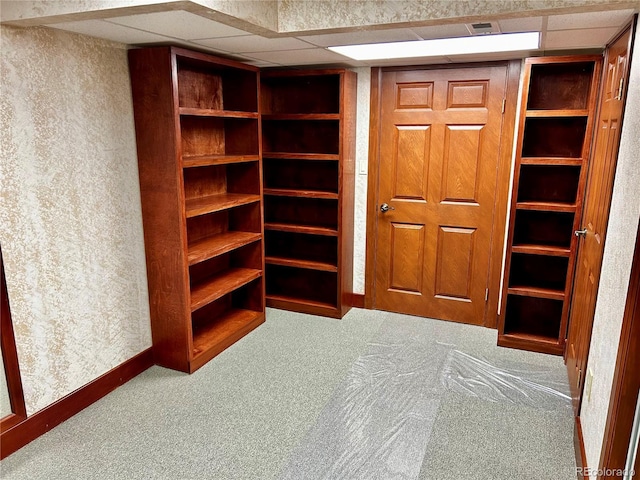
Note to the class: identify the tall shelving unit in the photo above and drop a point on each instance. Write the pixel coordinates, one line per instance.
(554, 141)
(199, 152)
(308, 128)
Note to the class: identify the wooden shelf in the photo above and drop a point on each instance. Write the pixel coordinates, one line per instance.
(301, 116)
(287, 227)
(300, 301)
(190, 161)
(537, 292)
(212, 106)
(542, 250)
(211, 339)
(531, 342)
(557, 113)
(216, 203)
(300, 156)
(206, 112)
(552, 155)
(220, 285)
(308, 264)
(290, 192)
(569, 162)
(219, 245)
(546, 206)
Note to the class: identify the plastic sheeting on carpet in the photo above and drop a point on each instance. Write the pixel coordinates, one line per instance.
(517, 384)
(378, 422)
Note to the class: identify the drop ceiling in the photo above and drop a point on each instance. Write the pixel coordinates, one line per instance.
(589, 30)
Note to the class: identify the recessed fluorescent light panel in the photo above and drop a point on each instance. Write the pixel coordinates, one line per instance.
(506, 42)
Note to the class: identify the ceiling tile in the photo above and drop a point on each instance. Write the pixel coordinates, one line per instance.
(588, 38)
(611, 18)
(299, 57)
(178, 24)
(111, 31)
(442, 31)
(360, 37)
(515, 25)
(254, 43)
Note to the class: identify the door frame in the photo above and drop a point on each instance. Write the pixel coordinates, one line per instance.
(503, 179)
(626, 380)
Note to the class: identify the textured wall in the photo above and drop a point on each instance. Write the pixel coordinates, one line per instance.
(616, 269)
(362, 156)
(308, 15)
(70, 217)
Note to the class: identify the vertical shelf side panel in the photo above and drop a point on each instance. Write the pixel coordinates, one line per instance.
(153, 85)
(347, 189)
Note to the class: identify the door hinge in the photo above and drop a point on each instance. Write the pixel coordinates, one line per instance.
(579, 378)
(504, 103)
(486, 295)
(620, 87)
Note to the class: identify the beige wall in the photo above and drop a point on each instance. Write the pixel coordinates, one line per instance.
(616, 269)
(70, 218)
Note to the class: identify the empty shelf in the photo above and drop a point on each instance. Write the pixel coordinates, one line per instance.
(291, 192)
(218, 286)
(288, 227)
(542, 250)
(215, 203)
(308, 264)
(300, 156)
(219, 244)
(206, 112)
(537, 292)
(209, 160)
(546, 206)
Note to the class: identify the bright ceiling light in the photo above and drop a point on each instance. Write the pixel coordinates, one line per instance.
(505, 42)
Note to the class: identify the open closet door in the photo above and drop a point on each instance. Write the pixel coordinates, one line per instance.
(596, 211)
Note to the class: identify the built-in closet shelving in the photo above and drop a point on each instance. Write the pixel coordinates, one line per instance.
(198, 136)
(308, 127)
(554, 140)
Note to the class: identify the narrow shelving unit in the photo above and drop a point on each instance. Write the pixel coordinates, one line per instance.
(308, 122)
(554, 143)
(198, 129)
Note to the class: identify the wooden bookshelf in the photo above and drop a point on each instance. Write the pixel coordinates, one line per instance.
(554, 142)
(198, 128)
(308, 127)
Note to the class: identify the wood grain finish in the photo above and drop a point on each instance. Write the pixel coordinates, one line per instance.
(198, 135)
(10, 360)
(308, 138)
(210, 160)
(595, 217)
(285, 227)
(49, 417)
(216, 203)
(552, 157)
(219, 244)
(438, 133)
(227, 329)
(227, 282)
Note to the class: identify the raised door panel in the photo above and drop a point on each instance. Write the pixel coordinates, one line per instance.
(454, 253)
(410, 165)
(462, 155)
(407, 257)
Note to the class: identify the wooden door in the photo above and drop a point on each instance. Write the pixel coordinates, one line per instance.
(596, 213)
(439, 149)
